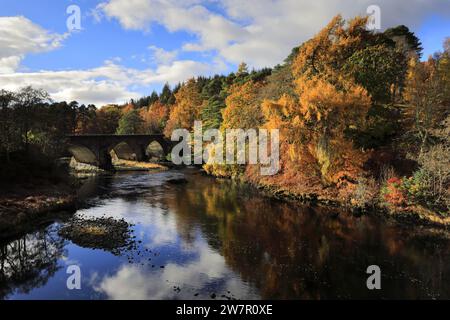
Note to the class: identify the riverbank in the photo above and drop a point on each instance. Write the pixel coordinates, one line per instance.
(23, 204)
(128, 165)
(26, 204)
(230, 225)
(119, 165)
(412, 214)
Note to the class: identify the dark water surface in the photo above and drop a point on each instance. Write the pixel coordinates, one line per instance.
(212, 238)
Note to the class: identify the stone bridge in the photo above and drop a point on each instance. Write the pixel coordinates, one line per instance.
(97, 149)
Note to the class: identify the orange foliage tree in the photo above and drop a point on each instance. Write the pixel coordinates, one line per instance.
(242, 109)
(155, 117)
(328, 104)
(187, 108)
(330, 49)
(128, 108)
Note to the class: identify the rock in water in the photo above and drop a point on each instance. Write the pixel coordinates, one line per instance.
(102, 233)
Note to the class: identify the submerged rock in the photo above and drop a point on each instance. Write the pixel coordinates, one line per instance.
(102, 233)
(177, 181)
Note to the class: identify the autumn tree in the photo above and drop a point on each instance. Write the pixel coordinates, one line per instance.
(327, 112)
(328, 52)
(187, 108)
(242, 109)
(128, 107)
(242, 70)
(349, 50)
(329, 102)
(444, 71)
(423, 93)
(154, 117)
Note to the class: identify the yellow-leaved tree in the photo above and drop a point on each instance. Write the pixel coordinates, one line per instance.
(329, 103)
(187, 108)
(155, 117)
(242, 110)
(424, 97)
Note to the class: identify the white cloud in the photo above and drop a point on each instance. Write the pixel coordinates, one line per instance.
(9, 64)
(182, 70)
(260, 32)
(109, 83)
(19, 36)
(161, 56)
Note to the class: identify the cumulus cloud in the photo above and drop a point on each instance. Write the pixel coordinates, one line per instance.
(19, 36)
(260, 32)
(109, 83)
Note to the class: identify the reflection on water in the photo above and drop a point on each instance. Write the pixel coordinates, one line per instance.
(28, 262)
(216, 239)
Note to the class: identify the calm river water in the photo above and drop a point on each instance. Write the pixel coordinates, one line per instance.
(217, 239)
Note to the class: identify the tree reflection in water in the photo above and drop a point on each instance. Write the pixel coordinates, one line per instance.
(298, 252)
(29, 261)
(219, 236)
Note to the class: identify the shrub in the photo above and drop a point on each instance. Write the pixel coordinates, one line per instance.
(435, 169)
(365, 194)
(392, 193)
(386, 173)
(430, 184)
(416, 187)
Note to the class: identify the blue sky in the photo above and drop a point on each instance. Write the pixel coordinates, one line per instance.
(127, 48)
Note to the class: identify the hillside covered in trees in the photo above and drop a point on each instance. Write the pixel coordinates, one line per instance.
(363, 119)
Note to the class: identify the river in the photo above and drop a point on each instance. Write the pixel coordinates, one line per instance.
(217, 239)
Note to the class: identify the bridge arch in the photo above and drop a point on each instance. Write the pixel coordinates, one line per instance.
(96, 149)
(155, 151)
(122, 151)
(83, 154)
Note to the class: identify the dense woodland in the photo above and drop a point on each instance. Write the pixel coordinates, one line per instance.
(364, 119)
